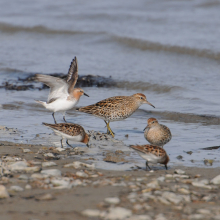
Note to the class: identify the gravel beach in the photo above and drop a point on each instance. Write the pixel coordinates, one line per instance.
(43, 182)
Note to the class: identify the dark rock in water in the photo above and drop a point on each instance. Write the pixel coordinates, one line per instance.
(189, 152)
(179, 157)
(83, 81)
(210, 148)
(9, 86)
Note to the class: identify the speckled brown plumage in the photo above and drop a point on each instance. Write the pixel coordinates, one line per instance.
(70, 131)
(152, 153)
(116, 108)
(157, 134)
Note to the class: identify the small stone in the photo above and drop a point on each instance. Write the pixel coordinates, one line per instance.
(18, 166)
(196, 216)
(61, 183)
(91, 213)
(45, 197)
(51, 172)
(202, 185)
(28, 186)
(60, 149)
(172, 197)
(169, 176)
(49, 164)
(118, 213)
(23, 177)
(161, 179)
(50, 155)
(216, 180)
(26, 150)
(82, 174)
(204, 211)
(139, 217)
(208, 198)
(79, 165)
(179, 171)
(205, 181)
(154, 184)
(137, 207)
(179, 157)
(112, 200)
(163, 200)
(39, 176)
(181, 176)
(160, 217)
(184, 191)
(3, 192)
(16, 189)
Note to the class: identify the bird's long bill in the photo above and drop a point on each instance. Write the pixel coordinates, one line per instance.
(149, 104)
(86, 94)
(145, 128)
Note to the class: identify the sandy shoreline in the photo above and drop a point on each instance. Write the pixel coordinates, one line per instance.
(34, 195)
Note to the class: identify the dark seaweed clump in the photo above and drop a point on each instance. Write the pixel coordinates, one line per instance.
(83, 81)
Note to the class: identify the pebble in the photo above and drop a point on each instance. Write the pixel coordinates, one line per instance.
(91, 213)
(38, 176)
(82, 174)
(112, 200)
(51, 172)
(50, 155)
(78, 165)
(3, 192)
(26, 150)
(154, 184)
(18, 166)
(172, 197)
(197, 216)
(202, 185)
(45, 197)
(118, 213)
(204, 211)
(60, 149)
(49, 164)
(28, 186)
(161, 179)
(160, 217)
(184, 191)
(139, 217)
(163, 200)
(16, 189)
(23, 177)
(61, 183)
(216, 180)
(179, 171)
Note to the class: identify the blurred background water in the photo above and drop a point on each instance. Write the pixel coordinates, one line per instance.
(169, 50)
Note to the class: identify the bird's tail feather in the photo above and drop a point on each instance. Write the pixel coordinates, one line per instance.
(41, 102)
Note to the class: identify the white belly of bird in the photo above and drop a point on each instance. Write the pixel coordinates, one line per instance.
(151, 157)
(77, 138)
(61, 105)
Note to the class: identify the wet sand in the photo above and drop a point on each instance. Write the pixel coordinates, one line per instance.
(138, 191)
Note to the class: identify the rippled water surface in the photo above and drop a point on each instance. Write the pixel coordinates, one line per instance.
(168, 50)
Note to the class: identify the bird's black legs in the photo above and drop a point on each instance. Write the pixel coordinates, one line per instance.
(147, 165)
(68, 143)
(61, 141)
(54, 118)
(64, 118)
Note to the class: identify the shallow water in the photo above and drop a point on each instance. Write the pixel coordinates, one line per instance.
(168, 50)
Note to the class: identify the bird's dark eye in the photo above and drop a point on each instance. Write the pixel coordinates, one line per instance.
(141, 97)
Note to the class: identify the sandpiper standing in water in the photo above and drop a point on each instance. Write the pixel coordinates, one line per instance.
(69, 131)
(157, 134)
(63, 96)
(116, 108)
(152, 154)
